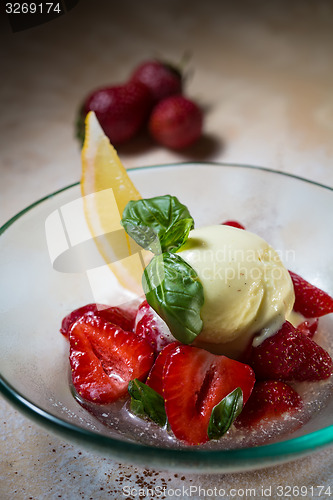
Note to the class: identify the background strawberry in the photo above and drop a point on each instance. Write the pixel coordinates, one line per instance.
(310, 300)
(269, 400)
(104, 358)
(121, 110)
(176, 122)
(290, 355)
(194, 381)
(162, 79)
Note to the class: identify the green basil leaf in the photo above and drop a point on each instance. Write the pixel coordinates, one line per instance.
(137, 408)
(173, 289)
(224, 413)
(158, 224)
(147, 402)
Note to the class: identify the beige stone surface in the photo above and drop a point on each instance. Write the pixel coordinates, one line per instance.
(264, 72)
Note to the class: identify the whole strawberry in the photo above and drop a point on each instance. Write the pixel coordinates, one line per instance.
(121, 110)
(290, 355)
(176, 122)
(162, 79)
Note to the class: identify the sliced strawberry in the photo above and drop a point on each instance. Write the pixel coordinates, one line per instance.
(104, 358)
(290, 355)
(310, 300)
(194, 381)
(151, 327)
(309, 327)
(155, 377)
(233, 223)
(120, 317)
(269, 400)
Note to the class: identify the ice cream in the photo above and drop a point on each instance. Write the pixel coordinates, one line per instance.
(247, 289)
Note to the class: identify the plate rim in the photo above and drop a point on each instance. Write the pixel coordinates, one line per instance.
(297, 446)
(168, 165)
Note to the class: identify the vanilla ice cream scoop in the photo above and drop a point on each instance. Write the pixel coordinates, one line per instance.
(247, 289)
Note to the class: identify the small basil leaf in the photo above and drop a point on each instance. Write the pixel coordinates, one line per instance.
(173, 289)
(137, 408)
(224, 413)
(147, 402)
(158, 224)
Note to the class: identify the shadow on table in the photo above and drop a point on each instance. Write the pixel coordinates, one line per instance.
(206, 148)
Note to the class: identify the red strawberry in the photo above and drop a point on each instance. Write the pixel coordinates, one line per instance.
(269, 400)
(310, 300)
(194, 381)
(176, 122)
(162, 79)
(308, 327)
(104, 358)
(233, 223)
(120, 317)
(121, 110)
(155, 377)
(151, 327)
(290, 355)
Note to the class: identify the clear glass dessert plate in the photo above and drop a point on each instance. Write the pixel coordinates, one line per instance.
(292, 214)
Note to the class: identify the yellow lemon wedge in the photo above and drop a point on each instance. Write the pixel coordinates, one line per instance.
(106, 189)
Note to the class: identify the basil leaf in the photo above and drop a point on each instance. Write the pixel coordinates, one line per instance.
(224, 413)
(173, 289)
(147, 402)
(158, 224)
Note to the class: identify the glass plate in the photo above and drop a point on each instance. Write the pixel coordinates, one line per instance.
(292, 213)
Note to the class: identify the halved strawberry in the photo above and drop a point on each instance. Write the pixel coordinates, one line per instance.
(194, 381)
(309, 327)
(151, 327)
(310, 300)
(104, 358)
(269, 400)
(233, 223)
(290, 355)
(120, 317)
(155, 377)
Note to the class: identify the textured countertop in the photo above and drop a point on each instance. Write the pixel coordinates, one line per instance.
(264, 72)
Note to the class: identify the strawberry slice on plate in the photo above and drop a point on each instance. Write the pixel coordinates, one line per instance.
(310, 300)
(194, 382)
(151, 327)
(124, 318)
(104, 358)
(269, 400)
(233, 223)
(290, 355)
(155, 377)
(308, 327)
